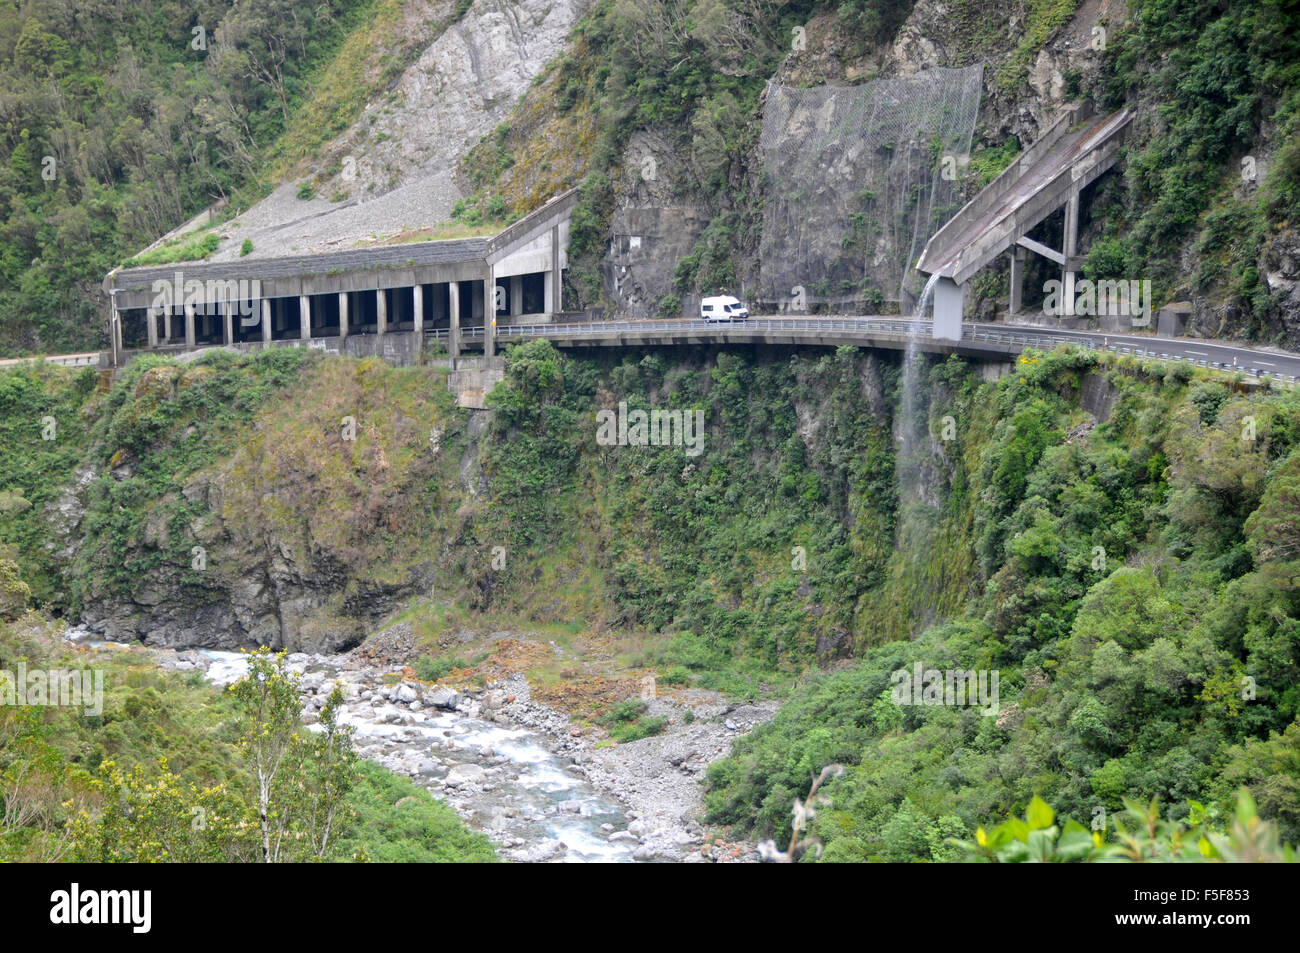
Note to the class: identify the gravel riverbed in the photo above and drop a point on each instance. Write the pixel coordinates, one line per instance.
(520, 771)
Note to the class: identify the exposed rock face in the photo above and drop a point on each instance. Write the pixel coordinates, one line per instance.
(652, 227)
(251, 589)
(291, 541)
(1280, 269)
(64, 514)
(395, 164)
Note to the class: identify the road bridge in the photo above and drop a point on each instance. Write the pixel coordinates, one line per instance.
(988, 342)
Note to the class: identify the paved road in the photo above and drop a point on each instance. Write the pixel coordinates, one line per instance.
(1253, 361)
(869, 330)
(894, 332)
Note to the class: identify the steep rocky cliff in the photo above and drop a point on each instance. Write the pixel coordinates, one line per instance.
(295, 501)
(679, 196)
(392, 171)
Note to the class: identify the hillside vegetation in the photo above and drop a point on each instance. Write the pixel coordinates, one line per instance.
(123, 121)
(1117, 540)
(165, 772)
(1136, 592)
(124, 124)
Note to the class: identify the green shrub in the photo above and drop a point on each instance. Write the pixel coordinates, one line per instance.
(431, 669)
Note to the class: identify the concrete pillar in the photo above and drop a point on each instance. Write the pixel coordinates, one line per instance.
(343, 314)
(453, 318)
(266, 320)
(114, 331)
(381, 309)
(516, 295)
(304, 317)
(554, 278)
(151, 326)
(1070, 248)
(417, 299)
(1017, 280)
(189, 326)
(949, 298)
(228, 323)
(167, 325)
(489, 313)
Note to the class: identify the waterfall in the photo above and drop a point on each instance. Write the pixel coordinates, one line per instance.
(907, 470)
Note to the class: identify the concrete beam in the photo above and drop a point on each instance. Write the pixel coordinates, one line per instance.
(1017, 280)
(516, 295)
(554, 283)
(1050, 254)
(1070, 242)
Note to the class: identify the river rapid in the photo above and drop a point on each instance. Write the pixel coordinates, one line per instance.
(513, 769)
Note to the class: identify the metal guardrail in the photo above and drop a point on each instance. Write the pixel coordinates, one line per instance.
(676, 326)
(91, 359)
(899, 329)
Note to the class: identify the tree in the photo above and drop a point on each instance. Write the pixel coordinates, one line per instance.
(271, 740)
(1273, 530)
(33, 790)
(301, 779)
(331, 774)
(162, 820)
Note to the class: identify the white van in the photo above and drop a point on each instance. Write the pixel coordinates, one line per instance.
(723, 308)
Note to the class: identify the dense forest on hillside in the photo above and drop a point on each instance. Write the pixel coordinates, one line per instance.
(1116, 539)
(121, 120)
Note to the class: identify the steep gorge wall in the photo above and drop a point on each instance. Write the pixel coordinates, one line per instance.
(291, 534)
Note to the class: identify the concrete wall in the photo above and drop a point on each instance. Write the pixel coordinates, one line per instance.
(949, 300)
(399, 348)
(473, 379)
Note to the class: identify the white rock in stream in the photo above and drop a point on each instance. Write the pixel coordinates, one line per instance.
(466, 774)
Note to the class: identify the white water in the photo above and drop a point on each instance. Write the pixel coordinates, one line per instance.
(522, 800)
(519, 807)
(909, 424)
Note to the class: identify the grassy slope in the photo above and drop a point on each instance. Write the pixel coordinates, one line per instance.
(149, 715)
